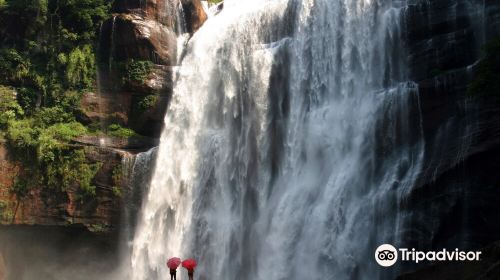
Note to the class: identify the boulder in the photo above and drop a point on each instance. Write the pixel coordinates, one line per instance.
(133, 36)
(194, 14)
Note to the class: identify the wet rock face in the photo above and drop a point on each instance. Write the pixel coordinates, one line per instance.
(133, 36)
(455, 201)
(165, 11)
(162, 11)
(442, 35)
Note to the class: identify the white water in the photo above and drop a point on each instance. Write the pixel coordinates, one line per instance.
(291, 137)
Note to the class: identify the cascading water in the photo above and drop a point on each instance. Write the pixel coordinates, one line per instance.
(290, 140)
(138, 176)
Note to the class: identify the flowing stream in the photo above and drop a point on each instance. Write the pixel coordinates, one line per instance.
(292, 136)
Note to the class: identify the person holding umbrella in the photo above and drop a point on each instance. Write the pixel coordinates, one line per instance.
(189, 264)
(173, 264)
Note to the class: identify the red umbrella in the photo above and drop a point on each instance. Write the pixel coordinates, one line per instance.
(189, 264)
(173, 263)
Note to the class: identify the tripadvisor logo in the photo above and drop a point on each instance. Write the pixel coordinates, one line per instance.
(387, 255)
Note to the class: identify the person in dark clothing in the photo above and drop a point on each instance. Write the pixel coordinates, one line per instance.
(173, 274)
(190, 273)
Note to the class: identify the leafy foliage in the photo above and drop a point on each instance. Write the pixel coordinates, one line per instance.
(117, 180)
(81, 67)
(14, 67)
(43, 146)
(137, 70)
(117, 130)
(146, 103)
(70, 167)
(48, 46)
(9, 108)
(47, 59)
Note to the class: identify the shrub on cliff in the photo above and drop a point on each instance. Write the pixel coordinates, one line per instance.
(9, 108)
(117, 130)
(43, 145)
(137, 70)
(81, 68)
(15, 68)
(42, 142)
(146, 103)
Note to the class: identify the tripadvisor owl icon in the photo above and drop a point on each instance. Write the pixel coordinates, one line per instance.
(386, 255)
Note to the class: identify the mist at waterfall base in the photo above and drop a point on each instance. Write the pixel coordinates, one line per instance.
(291, 138)
(52, 253)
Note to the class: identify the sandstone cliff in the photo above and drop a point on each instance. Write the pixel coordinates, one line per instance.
(48, 207)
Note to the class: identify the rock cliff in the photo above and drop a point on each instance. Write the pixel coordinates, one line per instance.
(143, 31)
(48, 207)
(456, 201)
(137, 53)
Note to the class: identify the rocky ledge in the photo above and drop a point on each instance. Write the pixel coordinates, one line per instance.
(49, 207)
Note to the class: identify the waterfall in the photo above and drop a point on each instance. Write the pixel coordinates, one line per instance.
(292, 136)
(180, 20)
(136, 187)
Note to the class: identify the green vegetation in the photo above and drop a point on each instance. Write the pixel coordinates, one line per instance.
(80, 67)
(9, 107)
(3, 208)
(215, 1)
(117, 130)
(487, 80)
(42, 144)
(117, 180)
(6, 214)
(47, 60)
(48, 46)
(97, 228)
(147, 102)
(137, 70)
